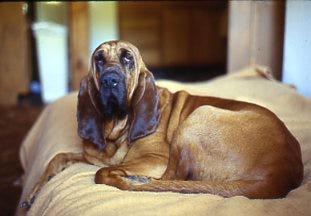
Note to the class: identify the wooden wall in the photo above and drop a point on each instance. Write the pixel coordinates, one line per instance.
(78, 42)
(15, 59)
(256, 32)
(176, 33)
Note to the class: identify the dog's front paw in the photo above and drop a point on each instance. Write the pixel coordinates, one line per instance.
(113, 176)
(27, 204)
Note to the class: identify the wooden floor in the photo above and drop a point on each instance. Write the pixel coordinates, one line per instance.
(15, 122)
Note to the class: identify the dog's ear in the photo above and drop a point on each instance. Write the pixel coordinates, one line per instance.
(90, 122)
(145, 107)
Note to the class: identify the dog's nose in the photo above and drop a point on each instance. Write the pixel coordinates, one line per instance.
(110, 80)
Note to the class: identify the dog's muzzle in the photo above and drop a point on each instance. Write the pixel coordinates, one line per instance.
(113, 94)
(110, 80)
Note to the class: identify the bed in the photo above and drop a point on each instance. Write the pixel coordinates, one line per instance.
(73, 191)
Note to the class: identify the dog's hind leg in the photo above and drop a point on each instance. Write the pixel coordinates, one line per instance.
(253, 189)
(222, 153)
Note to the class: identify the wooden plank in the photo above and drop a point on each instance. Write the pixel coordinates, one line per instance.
(208, 45)
(177, 33)
(15, 62)
(256, 31)
(79, 53)
(176, 37)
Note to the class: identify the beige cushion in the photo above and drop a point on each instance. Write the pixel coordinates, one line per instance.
(73, 192)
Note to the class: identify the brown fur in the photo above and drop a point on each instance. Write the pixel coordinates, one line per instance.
(180, 142)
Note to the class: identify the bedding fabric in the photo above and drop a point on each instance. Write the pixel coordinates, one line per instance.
(73, 191)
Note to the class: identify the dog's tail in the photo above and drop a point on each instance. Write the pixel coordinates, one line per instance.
(249, 188)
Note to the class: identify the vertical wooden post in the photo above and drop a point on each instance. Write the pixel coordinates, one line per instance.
(15, 60)
(256, 32)
(78, 42)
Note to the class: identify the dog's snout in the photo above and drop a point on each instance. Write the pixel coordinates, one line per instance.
(110, 80)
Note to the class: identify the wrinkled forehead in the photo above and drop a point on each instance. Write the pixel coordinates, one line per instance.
(111, 49)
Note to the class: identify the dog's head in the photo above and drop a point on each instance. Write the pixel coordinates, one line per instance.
(118, 85)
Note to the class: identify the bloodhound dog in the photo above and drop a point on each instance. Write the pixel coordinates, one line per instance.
(146, 138)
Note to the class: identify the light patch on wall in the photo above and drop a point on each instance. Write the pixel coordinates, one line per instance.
(103, 23)
(297, 46)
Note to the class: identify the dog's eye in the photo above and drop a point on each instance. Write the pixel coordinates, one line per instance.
(99, 58)
(127, 59)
